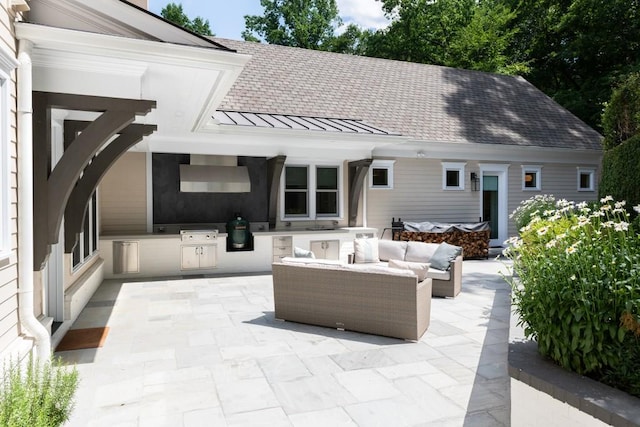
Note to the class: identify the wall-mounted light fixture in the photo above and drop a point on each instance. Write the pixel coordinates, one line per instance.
(475, 182)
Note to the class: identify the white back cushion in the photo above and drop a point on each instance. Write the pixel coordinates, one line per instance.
(420, 251)
(391, 249)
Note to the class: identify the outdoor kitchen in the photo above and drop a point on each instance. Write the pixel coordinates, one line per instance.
(205, 215)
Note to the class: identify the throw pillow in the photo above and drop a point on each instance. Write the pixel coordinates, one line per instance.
(443, 256)
(420, 269)
(302, 253)
(366, 250)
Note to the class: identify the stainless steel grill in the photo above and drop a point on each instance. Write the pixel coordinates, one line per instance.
(198, 236)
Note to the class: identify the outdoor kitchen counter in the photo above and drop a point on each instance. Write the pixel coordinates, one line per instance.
(278, 232)
(161, 254)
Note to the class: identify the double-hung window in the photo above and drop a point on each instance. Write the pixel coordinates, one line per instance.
(311, 192)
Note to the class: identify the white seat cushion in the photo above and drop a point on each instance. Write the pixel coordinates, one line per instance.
(419, 268)
(438, 274)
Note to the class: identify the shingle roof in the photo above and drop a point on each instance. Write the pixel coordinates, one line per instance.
(425, 102)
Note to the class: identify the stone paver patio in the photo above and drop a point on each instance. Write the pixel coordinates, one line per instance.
(208, 352)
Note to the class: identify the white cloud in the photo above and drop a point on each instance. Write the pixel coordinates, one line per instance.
(364, 13)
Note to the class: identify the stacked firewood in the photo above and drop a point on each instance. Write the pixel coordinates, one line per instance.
(475, 244)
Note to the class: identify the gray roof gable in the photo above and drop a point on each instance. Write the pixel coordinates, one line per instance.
(425, 102)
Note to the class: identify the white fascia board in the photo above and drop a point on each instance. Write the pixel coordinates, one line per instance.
(303, 144)
(489, 152)
(101, 45)
(251, 132)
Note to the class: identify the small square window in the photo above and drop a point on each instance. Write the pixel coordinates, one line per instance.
(453, 176)
(586, 179)
(381, 174)
(531, 178)
(380, 177)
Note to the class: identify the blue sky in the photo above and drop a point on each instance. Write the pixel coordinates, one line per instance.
(226, 18)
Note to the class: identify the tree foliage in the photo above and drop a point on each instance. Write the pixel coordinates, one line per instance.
(457, 33)
(173, 12)
(308, 24)
(577, 49)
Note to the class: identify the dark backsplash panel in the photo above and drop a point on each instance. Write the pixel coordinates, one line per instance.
(170, 206)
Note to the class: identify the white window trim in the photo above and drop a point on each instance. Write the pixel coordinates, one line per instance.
(311, 192)
(92, 253)
(382, 164)
(537, 169)
(592, 178)
(453, 166)
(7, 64)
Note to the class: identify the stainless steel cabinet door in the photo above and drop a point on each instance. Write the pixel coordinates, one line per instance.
(208, 256)
(190, 257)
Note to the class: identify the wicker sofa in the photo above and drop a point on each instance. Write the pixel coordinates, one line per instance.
(374, 300)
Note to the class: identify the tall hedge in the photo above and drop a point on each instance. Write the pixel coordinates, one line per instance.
(621, 172)
(621, 116)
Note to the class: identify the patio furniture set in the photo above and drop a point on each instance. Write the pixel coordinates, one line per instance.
(386, 291)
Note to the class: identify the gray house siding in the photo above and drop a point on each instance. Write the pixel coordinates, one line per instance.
(418, 194)
(558, 180)
(9, 325)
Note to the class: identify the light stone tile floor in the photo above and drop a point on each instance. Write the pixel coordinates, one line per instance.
(208, 352)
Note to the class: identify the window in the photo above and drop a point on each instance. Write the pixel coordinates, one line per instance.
(88, 241)
(453, 176)
(531, 178)
(586, 179)
(381, 174)
(7, 64)
(326, 191)
(311, 192)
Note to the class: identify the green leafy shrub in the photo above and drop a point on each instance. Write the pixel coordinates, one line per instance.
(533, 207)
(37, 394)
(621, 172)
(577, 285)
